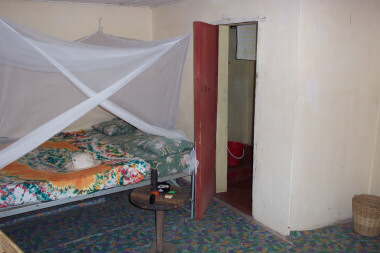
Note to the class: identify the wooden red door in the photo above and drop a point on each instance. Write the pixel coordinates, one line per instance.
(205, 109)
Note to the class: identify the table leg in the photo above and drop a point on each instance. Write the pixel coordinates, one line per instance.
(160, 246)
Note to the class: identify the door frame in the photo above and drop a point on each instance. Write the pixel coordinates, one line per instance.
(223, 106)
(222, 122)
(260, 21)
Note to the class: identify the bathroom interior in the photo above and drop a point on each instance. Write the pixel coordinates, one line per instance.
(242, 46)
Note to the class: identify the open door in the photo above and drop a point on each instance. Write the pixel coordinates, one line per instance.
(205, 110)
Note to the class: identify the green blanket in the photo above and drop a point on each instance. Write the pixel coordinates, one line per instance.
(166, 155)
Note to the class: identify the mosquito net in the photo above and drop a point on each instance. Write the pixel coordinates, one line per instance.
(47, 83)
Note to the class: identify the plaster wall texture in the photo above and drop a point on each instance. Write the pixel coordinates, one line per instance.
(375, 180)
(221, 159)
(336, 121)
(74, 21)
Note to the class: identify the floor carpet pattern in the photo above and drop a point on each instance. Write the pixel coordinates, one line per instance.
(115, 225)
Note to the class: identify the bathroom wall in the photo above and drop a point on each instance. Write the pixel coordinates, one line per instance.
(240, 95)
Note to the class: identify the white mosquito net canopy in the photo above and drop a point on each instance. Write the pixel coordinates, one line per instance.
(47, 83)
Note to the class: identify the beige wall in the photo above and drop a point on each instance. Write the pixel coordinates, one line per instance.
(277, 64)
(74, 21)
(240, 95)
(222, 110)
(337, 110)
(375, 180)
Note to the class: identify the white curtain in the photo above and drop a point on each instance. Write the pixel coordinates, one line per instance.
(46, 84)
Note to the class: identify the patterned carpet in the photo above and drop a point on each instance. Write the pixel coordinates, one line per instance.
(114, 225)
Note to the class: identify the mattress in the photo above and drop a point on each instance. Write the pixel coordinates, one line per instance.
(126, 158)
(41, 175)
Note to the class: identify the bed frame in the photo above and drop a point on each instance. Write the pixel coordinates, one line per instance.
(4, 212)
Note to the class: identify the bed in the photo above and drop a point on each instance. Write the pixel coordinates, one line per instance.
(42, 178)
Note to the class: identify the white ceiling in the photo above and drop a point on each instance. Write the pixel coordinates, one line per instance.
(136, 3)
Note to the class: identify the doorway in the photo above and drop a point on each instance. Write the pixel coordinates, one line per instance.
(236, 85)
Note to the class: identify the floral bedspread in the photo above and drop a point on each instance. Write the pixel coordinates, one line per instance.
(41, 174)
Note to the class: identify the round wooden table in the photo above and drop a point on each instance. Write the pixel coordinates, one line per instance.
(140, 197)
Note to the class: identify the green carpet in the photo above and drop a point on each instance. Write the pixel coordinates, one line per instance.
(115, 225)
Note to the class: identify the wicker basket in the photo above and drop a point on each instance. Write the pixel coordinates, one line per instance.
(366, 214)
